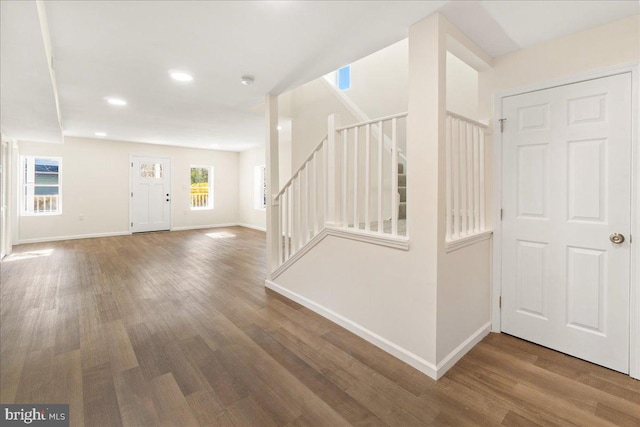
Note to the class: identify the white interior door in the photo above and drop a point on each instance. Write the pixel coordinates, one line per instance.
(566, 190)
(150, 194)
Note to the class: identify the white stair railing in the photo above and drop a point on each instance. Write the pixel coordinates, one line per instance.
(301, 213)
(369, 197)
(343, 185)
(465, 182)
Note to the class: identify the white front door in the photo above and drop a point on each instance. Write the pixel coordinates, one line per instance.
(150, 194)
(566, 191)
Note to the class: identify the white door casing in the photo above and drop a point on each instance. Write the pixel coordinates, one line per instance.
(150, 194)
(566, 186)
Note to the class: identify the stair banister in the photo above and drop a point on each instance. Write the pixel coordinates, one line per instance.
(288, 183)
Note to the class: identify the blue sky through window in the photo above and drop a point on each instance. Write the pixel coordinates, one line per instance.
(344, 78)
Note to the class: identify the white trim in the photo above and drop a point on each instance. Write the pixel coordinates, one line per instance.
(253, 227)
(74, 237)
(395, 242)
(204, 226)
(295, 257)
(395, 350)
(464, 347)
(399, 242)
(128, 233)
(634, 300)
(454, 245)
(634, 303)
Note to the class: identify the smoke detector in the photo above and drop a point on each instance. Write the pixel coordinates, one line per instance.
(247, 80)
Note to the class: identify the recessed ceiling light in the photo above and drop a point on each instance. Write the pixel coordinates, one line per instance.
(180, 76)
(279, 127)
(116, 101)
(247, 80)
(100, 134)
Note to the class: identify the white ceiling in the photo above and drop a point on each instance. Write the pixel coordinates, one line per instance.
(126, 48)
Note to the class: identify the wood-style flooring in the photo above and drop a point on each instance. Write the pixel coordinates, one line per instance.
(176, 329)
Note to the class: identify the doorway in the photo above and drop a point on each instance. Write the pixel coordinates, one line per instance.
(566, 218)
(150, 194)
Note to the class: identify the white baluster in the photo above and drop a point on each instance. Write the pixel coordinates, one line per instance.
(394, 177)
(482, 183)
(380, 176)
(356, 222)
(345, 159)
(367, 177)
(448, 177)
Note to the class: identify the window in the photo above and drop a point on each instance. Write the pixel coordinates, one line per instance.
(260, 191)
(344, 78)
(41, 185)
(340, 78)
(151, 170)
(201, 187)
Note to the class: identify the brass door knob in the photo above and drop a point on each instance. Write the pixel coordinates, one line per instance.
(616, 238)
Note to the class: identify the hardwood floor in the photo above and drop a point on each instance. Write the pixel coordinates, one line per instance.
(176, 329)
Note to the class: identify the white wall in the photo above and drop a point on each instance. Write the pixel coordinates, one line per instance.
(462, 87)
(248, 215)
(308, 107)
(611, 44)
(380, 81)
(95, 184)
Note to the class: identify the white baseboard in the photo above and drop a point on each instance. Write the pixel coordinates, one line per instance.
(199, 227)
(125, 233)
(253, 227)
(395, 350)
(75, 237)
(453, 357)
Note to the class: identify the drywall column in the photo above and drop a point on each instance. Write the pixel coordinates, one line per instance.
(273, 182)
(333, 170)
(425, 133)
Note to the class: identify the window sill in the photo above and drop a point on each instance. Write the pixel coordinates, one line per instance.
(202, 209)
(28, 214)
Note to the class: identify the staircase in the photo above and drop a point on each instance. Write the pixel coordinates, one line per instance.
(402, 190)
(350, 185)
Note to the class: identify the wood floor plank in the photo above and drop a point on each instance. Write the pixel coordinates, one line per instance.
(99, 396)
(178, 329)
(134, 398)
(171, 407)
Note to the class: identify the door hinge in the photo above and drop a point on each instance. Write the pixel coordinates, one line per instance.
(502, 124)
(132, 194)
(132, 224)
(501, 214)
(499, 302)
(131, 164)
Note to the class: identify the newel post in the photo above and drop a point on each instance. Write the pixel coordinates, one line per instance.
(333, 167)
(273, 180)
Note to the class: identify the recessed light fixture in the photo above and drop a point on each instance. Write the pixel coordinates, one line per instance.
(279, 127)
(180, 76)
(100, 134)
(247, 80)
(116, 101)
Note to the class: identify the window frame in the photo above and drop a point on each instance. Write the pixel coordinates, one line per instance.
(260, 188)
(23, 186)
(210, 203)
